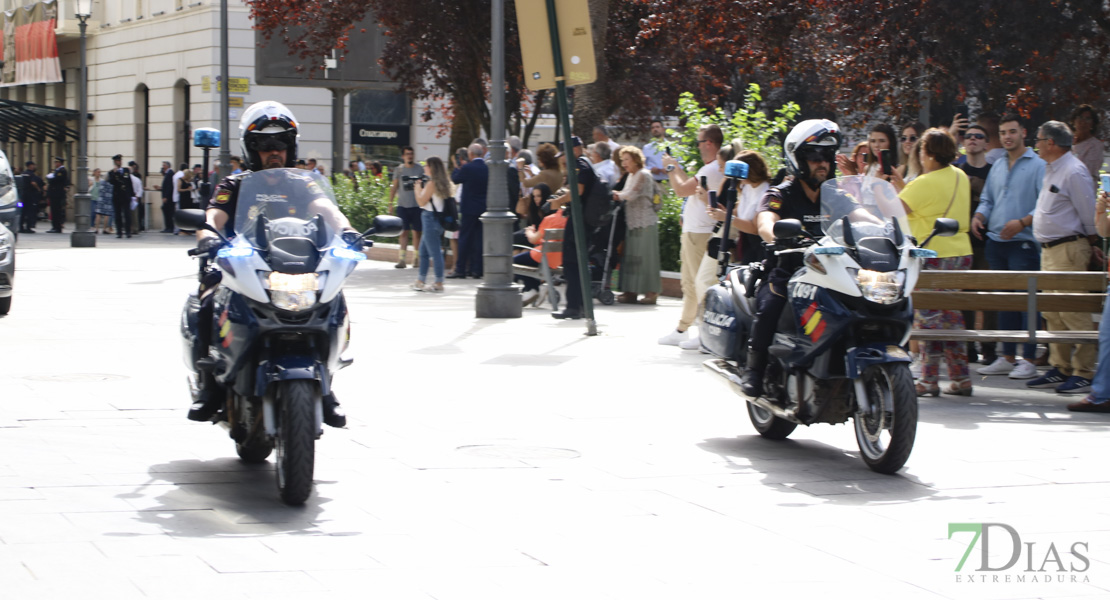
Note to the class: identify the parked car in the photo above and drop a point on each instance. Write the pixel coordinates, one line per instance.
(7, 268)
(9, 197)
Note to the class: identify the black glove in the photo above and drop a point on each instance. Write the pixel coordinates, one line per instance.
(209, 244)
(353, 239)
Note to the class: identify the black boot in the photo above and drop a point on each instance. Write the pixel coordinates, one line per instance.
(210, 397)
(334, 415)
(751, 383)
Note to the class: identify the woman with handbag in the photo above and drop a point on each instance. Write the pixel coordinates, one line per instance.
(941, 190)
(433, 198)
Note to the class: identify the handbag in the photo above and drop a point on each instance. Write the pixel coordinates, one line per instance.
(448, 217)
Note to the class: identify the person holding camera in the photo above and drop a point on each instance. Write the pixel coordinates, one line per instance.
(410, 213)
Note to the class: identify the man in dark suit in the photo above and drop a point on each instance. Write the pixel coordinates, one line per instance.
(474, 177)
(122, 191)
(167, 197)
(56, 186)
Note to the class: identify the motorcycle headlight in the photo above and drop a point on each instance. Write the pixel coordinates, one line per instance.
(293, 292)
(883, 288)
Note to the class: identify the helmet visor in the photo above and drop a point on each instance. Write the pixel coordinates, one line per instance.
(267, 143)
(819, 154)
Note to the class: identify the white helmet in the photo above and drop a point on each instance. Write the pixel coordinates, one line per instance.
(267, 125)
(810, 140)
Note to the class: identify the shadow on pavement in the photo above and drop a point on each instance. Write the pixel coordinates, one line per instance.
(816, 470)
(221, 497)
(1003, 406)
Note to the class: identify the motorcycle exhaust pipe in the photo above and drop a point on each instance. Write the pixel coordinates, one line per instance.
(731, 375)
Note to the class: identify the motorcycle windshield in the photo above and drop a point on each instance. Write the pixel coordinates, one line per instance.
(284, 203)
(870, 205)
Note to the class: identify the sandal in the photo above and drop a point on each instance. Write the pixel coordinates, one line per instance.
(649, 298)
(418, 286)
(959, 388)
(436, 288)
(923, 390)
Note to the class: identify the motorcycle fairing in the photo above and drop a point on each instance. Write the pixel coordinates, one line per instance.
(859, 358)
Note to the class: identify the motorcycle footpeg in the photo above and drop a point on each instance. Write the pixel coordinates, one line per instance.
(345, 362)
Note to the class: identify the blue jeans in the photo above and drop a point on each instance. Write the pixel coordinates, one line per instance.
(431, 245)
(1014, 256)
(1100, 383)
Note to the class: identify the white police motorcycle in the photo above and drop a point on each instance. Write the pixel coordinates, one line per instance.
(838, 349)
(279, 323)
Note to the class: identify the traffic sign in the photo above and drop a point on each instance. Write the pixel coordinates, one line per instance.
(576, 42)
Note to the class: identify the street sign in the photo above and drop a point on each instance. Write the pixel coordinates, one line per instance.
(205, 84)
(238, 85)
(235, 101)
(576, 42)
(369, 134)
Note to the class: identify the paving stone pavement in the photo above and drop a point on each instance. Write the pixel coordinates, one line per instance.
(491, 459)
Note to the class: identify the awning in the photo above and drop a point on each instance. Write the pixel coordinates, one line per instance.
(25, 122)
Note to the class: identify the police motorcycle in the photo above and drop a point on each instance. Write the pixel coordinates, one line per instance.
(280, 322)
(838, 349)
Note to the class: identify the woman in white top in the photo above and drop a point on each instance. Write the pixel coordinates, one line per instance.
(431, 197)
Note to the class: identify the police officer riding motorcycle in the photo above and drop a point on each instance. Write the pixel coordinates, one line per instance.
(268, 140)
(810, 152)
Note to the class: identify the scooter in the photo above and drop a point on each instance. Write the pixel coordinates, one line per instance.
(279, 321)
(838, 349)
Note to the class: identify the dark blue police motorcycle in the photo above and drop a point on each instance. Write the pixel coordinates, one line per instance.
(838, 349)
(279, 321)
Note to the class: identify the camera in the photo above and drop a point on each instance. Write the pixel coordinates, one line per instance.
(408, 181)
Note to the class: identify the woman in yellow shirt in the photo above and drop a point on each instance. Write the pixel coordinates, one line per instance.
(940, 191)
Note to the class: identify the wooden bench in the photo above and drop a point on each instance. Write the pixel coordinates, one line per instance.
(1057, 291)
(552, 242)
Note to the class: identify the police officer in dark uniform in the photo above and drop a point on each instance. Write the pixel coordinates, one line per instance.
(810, 153)
(57, 184)
(268, 139)
(586, 181)
(122, 191)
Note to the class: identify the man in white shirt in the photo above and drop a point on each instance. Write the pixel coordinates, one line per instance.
(655, 150)
(178, 195)
(136, 199)
(602, 163)
(697, 225)
(601, 135)
(1064, 225)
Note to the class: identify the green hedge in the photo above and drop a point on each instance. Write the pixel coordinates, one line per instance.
(365, 201)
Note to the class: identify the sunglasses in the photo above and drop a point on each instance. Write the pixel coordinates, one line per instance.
(270, 144)
(912, 138)
(975, 136)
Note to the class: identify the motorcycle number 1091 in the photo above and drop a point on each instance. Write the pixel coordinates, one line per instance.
(805, 290)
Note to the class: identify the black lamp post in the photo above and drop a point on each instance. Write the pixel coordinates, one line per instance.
(82, 203)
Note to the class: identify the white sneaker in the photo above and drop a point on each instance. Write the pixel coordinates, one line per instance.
(1000, 366)
(915, 368)
(673, 338)
(1022, 370)
(529, 296)
(693, 343)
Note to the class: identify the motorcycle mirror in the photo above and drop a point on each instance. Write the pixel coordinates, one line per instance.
(943, 227)
(385, 226)
(787, 229)
(191, 218)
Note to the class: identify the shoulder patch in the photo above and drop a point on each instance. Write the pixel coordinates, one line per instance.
(774, 204)
(223, 196)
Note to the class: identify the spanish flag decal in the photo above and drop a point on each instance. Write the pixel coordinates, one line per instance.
(812, 323)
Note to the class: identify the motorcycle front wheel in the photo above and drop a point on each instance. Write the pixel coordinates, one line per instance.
(886, 432)
(296, 440)
(768, 425)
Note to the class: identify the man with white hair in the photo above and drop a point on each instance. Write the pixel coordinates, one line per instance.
(602, 163)
(1064, 225)
(474, 177)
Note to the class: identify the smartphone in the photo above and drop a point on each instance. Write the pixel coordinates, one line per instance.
(886, 161)
(704, 183)
(713, 199)
(1105, 184)
(962, 110)
(667, 150)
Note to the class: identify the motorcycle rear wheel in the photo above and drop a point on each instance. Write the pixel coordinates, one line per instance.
(296, 440)
(886, 434)
(768, 425)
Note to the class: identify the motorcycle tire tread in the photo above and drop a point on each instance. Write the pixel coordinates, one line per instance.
(298, 440)
(905, 421)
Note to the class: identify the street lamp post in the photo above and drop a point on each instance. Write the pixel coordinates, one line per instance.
(82, 203)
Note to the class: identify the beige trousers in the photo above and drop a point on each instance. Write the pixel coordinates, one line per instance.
(693, 249)
(1070, 359)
